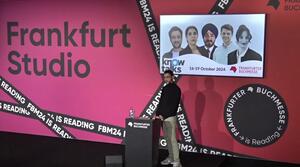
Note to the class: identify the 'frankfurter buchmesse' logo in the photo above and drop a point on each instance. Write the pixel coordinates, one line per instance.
(256, 115)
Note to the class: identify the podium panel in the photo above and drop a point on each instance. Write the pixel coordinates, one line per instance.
(141, 142)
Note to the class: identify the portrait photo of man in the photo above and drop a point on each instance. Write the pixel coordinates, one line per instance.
(221, 53)
(175, 36)
(209, 34)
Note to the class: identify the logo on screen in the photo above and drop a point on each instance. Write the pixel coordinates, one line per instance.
(233, 68)
(256, 115)
(173, 64)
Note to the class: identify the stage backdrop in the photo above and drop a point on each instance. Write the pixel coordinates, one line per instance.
(73, 69)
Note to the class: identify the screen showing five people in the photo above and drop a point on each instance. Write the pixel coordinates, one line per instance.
(215, 45)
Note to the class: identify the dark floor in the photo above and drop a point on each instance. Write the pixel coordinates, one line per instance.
(196, 160)
(36, 151)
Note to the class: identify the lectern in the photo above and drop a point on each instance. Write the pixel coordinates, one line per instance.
(141, 142)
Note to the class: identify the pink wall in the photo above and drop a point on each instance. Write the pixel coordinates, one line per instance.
(122, 77)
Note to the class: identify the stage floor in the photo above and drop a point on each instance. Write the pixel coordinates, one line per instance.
(37, 151)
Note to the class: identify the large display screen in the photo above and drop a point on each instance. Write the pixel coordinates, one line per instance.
(216, 45)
